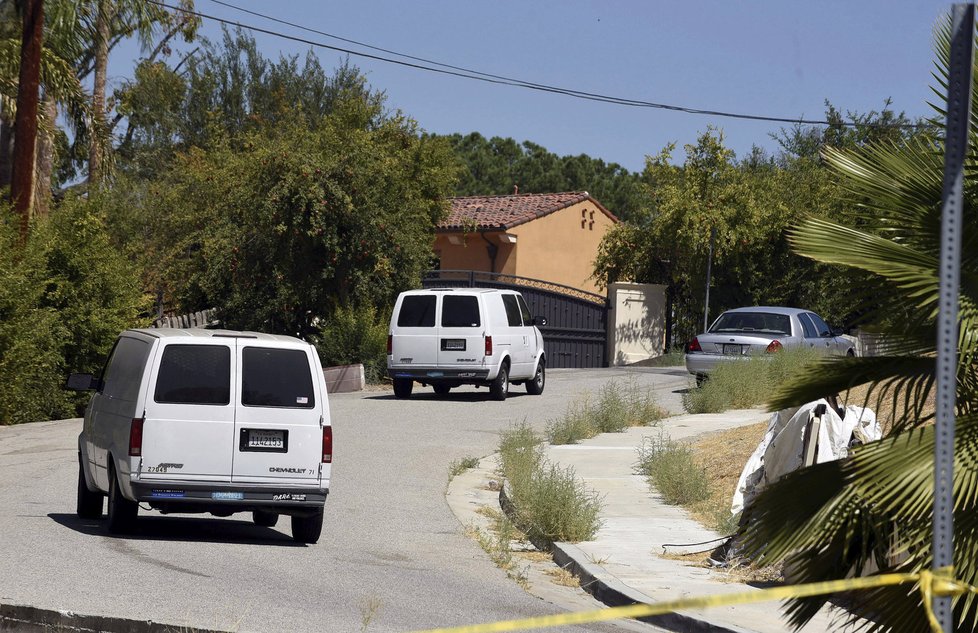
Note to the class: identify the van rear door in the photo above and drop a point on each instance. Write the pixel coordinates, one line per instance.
(414, 341)
(278, 436)
(461, 340)
(189, 413)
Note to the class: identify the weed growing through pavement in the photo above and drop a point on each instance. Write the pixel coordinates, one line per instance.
(747, 382)
(670, 468)
(368, 611)
(497, 543)
(616, 408)
(459, 466)
(548, 502)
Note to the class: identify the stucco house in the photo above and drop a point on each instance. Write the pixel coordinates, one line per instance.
(548, 236)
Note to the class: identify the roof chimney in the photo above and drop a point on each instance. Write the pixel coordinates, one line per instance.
(516, 190)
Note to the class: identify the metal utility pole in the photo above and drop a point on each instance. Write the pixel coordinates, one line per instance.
(709, 273)
(955, 149)
(25, 132)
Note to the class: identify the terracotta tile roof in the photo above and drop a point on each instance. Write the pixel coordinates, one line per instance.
(504, 212)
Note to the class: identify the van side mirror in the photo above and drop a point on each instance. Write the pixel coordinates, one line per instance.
(81, 382)
(539, 320)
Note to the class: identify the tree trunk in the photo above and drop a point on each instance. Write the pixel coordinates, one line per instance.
(45, 160)
(25, 132)
(95, 158)
(6, 141)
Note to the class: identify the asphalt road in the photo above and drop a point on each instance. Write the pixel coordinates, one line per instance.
(392, 556)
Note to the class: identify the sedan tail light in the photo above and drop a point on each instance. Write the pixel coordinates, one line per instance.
(774, 346)
(136, 437)
(694, 345)
(327, 444)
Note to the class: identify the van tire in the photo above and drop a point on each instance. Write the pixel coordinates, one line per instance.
(88, 504)
(499, 387)
(264, 518)
(308, 528)
(122, 511)
(441, 389)
(535, 385)
(403, 387)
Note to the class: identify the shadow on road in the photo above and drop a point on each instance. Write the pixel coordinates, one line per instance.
(426, 395)
(192, 529)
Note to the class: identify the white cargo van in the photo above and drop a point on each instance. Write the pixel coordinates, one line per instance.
(445, 337)
(207, 421)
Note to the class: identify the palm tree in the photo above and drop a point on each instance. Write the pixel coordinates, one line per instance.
(873, 510)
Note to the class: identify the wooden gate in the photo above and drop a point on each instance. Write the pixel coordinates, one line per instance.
(576, 333)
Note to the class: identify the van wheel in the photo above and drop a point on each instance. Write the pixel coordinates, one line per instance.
(441, 390)
(535, 386)
(403, 387)
(499, 388)
(307, 529)
(122, 511)
(88, 504)
(264, 518)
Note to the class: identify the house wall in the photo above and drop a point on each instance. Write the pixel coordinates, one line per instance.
(636, 322)
(559, 248)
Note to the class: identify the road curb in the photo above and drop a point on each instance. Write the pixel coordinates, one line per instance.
(26, 619)
(608, 589)
(614, 593)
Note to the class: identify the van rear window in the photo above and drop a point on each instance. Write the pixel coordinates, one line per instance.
(460, 311)
(417, 311)
(276, 378)
(194, 374)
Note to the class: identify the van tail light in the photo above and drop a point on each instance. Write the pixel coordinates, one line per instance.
(327, 445)
(694, 345)
(136, 437)
(774, 346)
(488, 346)
(390, 344)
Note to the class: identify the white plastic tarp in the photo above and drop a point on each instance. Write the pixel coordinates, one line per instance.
(781, 450)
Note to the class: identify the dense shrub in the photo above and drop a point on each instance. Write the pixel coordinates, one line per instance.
(64, 296)
(355, 335)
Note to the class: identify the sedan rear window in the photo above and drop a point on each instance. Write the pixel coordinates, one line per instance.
(761, 322)
(276, 378)
(194, 374)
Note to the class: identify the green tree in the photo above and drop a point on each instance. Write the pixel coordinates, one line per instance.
(832, 520)
(495, 166)
(282, 225)
(64, 297)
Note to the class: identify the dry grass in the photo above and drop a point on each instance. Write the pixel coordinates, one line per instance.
(562, 577)
(884, 408)
(723, 455)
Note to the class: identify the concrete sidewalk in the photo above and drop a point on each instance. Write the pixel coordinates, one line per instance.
(623, 564)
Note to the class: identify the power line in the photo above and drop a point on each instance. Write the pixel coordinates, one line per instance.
(420, 63)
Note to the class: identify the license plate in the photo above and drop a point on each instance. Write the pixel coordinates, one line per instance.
(264, 440)
(453, 344)
(228, 496)
(733, 349)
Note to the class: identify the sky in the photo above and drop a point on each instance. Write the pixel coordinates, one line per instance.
(780, 58)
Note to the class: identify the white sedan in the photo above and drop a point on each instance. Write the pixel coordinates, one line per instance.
(757, 330)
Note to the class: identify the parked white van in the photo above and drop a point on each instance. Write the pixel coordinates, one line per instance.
(445, 337)
(207, 421)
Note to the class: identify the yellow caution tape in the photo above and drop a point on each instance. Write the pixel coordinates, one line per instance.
(930, 584)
